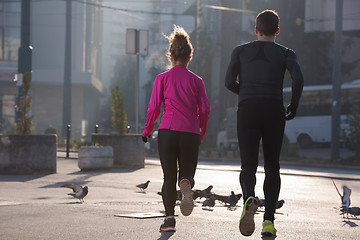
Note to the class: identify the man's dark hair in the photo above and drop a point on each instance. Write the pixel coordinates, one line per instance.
(267, 22)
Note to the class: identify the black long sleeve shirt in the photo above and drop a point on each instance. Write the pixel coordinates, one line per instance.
(257, 69)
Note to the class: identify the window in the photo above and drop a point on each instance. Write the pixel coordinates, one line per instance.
(13, 6)
(11, 39)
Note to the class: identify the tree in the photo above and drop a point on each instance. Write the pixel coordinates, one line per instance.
(351, 134)
(24, 124)
(119, 117)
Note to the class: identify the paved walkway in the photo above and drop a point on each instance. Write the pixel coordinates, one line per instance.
(35, 207)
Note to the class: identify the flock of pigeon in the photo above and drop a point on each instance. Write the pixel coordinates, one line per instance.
(345, 203)
(230, 201)
(211, 198)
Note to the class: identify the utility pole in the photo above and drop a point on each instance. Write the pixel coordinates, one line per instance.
(67, 72)
(336, 90)
(197, 32)
(137, 42)
(25, 50)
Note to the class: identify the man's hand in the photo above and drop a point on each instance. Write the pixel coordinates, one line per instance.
(290, 111)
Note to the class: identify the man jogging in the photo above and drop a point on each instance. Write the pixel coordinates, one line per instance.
(256, 73)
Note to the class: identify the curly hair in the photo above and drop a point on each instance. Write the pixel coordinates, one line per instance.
(180, 47)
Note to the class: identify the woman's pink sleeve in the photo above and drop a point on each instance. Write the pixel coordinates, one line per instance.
(203, 109)
(154, 107)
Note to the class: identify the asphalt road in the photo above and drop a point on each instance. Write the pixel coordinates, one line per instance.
(35, 207)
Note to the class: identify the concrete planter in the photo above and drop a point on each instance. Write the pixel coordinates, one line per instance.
(129, 149)
(95, 157)
(28, 154)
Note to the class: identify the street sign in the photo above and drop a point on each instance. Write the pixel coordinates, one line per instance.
(143, 42)
(131, 41)
(137, 42)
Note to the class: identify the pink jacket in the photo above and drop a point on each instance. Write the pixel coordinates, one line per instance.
(185, 103)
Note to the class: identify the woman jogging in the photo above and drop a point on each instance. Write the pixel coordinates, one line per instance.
(183, 124)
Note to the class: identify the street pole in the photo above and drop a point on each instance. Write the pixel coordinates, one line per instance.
(336, 89)
(197, 32)
(67, 72)
(137, 80)
(25, 50)
(137, 92)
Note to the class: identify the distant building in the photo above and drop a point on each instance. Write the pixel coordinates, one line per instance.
(155, 16)
(48, 41)
(9, 44)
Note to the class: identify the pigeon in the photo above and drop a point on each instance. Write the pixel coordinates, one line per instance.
(279, 203)
(79, 192)
(143, 186)
(196, 194)
(345, 199)
(204, 193)
(261, 202)
(354, 211)
(209, 202)
(231, 200)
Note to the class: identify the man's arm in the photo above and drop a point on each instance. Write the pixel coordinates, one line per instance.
(232, 72)
(297, 85)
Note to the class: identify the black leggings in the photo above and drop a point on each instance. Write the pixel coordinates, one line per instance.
(176, 149)
(261, 119)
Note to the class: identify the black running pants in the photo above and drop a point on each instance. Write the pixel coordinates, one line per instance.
(178, 153)
(261, 119)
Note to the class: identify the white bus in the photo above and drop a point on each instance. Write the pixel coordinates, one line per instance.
(312, 123)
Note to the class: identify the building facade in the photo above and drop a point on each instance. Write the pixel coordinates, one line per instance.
(47, 33)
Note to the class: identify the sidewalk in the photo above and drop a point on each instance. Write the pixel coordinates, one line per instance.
(35, 207)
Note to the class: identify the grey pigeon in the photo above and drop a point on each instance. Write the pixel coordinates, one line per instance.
(206, 192)
(79, 192)
(143, 186)
(233, 199)
(355, 211)
(209, 202)
(345, 198)
(279, 203)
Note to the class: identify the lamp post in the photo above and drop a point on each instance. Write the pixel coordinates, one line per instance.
(67, 72)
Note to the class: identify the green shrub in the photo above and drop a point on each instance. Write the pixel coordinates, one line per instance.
(119, 117)
(24, 124)
(50, 130)
(350, 135)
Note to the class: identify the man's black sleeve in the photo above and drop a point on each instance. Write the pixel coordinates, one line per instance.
(293, 67)
(232, 72)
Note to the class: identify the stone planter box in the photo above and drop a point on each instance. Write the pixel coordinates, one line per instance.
(91, 158)
(129, 149)
(28, 154)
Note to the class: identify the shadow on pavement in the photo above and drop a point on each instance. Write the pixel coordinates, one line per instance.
(350, 223)
(165, 235)
(268, 238)
(78, 181)
(20, 177)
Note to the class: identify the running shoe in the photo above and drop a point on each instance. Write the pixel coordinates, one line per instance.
(268, 229)
(168, 225)
(247, 224)
(187, 202)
